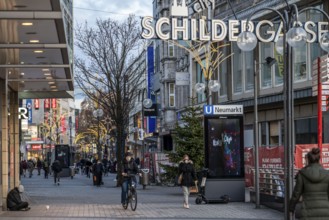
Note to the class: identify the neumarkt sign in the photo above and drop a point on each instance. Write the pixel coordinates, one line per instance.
(223, 110)
(180, 27)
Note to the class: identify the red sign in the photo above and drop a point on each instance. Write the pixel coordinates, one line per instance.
(303, 149)
(36, 103)
(53, 103)
(36, 146)
(47, 103)
(63, 124)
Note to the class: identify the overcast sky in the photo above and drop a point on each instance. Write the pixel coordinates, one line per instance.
(90, 11)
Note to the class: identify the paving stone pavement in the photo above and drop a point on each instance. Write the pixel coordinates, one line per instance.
(77, 199)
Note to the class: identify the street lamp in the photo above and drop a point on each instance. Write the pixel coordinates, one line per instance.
(97, 114)
(293, 36)
(269, 62)
(209, 85)
(146, 103)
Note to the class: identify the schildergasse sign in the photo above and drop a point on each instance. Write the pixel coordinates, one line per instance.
(223, 109)
(182, 27)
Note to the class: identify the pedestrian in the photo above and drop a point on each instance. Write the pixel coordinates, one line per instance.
(105, 164)
(87, 168)
(24, 167)
(14, 200)
(46, 168)
(129, 167)
(30, 167)
(57, 168)
(98, 170)
(39, 166)
(186, 170)
(312, 184)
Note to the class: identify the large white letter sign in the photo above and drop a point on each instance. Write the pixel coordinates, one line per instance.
(176, 29)
(158, 28)
(147, 25)
(218, 24)
(272, 33)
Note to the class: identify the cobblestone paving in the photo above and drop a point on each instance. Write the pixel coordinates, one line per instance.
(77, 199)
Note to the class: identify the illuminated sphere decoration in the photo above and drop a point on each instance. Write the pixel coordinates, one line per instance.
(296, 37)
(324, 42)
(147, 103)
(247, 41)
(214, 85)
(200, 87)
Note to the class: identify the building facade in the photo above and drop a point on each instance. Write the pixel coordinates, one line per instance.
(236, 75)
(36, 63)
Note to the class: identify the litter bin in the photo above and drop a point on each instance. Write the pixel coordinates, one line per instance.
(144, 179)
(72, 171)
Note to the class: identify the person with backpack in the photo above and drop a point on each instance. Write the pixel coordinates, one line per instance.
(57, 168)
(46, 168)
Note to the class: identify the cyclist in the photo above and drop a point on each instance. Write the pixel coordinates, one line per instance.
(129, 167)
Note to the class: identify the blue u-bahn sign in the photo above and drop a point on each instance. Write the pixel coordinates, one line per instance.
(223, 110)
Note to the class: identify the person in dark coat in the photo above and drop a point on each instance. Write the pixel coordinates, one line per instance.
(129, 167)
(57, 168)
(14, 201)
(24, 167)
(88, 165)
(98, 170)
(39, 166)
(186, 168)
(312, 183)
(30, 166)
(46, 168)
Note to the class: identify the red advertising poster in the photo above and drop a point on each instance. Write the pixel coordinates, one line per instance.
(47, 103)
(269, 158)
(303, 149)
(53, 103)
(36, 103)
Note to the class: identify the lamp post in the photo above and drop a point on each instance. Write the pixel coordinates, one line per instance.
(97, 114)
(293, 36)
(71, 147)
(146, 103)
(209, 85)
(269, 61)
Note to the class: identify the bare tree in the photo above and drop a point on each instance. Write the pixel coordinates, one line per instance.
(110, 68)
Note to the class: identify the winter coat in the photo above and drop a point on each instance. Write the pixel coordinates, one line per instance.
(56, 167)
(129, 167)
(24, 165)
(312, 183)
(98, 168)
(13, 198)
(187, 169)
(30, 165)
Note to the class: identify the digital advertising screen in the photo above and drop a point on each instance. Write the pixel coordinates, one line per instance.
(224, 146)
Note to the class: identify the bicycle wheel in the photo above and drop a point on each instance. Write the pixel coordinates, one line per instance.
(133, 200)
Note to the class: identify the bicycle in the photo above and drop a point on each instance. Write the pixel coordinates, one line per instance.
(131, 196)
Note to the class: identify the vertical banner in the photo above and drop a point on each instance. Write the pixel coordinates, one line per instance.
(36, 103)
(53, 103)
(77, 119)
(151, 122)
(47, 103)
(29, 110)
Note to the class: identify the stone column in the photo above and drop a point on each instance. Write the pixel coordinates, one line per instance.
(4, 142)
(14, 141)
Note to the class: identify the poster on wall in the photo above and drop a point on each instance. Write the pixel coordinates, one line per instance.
(224, 147)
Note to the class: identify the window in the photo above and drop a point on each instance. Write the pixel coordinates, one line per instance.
(306, 131)
(243, 70)
(171, 94)
(171, 51)
(271, 133)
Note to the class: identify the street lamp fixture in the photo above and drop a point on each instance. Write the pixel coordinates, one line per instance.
(293, 36)
(146, 103)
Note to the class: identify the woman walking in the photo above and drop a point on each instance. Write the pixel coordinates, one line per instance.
(312, 183)
(186, 170)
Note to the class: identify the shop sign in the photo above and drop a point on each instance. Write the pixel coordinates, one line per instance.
(181, 27)
(36, 146)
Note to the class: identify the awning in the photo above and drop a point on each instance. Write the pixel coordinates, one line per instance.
(151, 139)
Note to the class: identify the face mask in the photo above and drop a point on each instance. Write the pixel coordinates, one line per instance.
(128, 158)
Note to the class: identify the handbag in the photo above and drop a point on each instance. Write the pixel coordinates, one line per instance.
(194, 189)
(180, 179)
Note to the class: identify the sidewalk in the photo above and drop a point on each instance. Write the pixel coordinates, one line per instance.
(77, 198)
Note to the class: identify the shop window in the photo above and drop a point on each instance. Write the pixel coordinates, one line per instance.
(306, 131)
